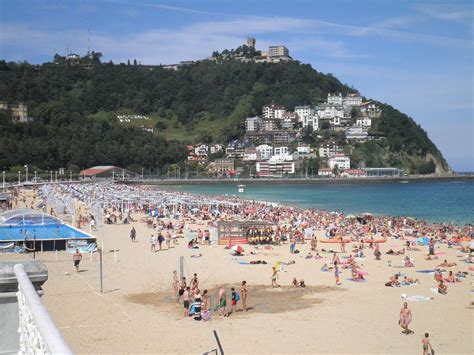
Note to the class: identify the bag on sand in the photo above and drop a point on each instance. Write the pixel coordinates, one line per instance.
(237, 297)
(432, 351)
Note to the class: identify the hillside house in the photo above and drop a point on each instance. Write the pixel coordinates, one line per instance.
(339, 160)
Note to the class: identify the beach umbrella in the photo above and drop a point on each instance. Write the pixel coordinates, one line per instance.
(368, 214)
(350, 216)
(238, 249)
(195, 209)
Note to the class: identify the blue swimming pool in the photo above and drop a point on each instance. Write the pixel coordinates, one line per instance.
(19, 233)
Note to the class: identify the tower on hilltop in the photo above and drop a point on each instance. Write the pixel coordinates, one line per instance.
(251, 42)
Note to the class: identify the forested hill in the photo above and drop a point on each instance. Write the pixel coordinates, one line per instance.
(75, 109)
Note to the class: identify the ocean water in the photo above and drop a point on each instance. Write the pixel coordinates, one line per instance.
(435, 201)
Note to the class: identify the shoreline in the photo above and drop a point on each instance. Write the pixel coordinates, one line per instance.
(298, 181)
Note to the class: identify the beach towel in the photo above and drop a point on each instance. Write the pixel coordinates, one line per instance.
(426, 271)
(417, 298)
(243, 262)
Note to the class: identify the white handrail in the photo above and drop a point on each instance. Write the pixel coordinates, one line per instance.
(38, 333)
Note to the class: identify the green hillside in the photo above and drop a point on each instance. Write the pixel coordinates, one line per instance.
(76, 107)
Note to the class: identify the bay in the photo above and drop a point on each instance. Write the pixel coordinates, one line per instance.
(435, 201)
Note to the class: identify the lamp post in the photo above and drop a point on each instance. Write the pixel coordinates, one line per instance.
(3, 185)
(56, 173)
(35, 177)
(19, 177)
(51, 179)
(26, 169)
(70, 176)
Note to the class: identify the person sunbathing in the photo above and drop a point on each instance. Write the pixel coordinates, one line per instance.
(408, 262)
(393, 281)
(451, 278)
(446, 264)
(409, 281)
(395, 252)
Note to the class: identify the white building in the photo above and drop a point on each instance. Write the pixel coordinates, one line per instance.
(328, 149)
(278, 51)
(325, 172)
(311, 121)
(264, 151)
(287, 123)
(303, 149)
(275, 168)
(273, 111)
(216, 148)
(352, 100)
(335, 99)
(357, 133)
(370, 109)
(328, 111)
(253, 124)
(339, 160)
(364, 121)
(269, 124)
(303, 111)
(201, 150)
(280, 151)
(250, 156)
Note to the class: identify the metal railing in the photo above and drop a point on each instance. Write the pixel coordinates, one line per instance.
(38, 333)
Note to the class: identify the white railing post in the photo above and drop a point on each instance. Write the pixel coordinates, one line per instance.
(38, 333)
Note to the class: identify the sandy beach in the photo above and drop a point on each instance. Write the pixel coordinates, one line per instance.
(137, 312)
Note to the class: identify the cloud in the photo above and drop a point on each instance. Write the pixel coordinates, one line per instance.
(448, 12)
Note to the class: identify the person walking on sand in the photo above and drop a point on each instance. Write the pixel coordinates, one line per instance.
(133, 234)
(427, 348)
(243, 292)
(186, 301)
(153, 243)
(405, 319)
(336, 272)
(274, 277)
(77, 257)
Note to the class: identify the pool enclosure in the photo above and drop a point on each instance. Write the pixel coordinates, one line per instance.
(38, 231)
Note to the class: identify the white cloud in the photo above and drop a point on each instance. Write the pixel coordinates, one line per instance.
(453, 12)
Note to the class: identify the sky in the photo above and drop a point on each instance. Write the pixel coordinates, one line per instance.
(415, 55)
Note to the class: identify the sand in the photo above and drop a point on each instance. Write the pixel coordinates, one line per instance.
(137, 311)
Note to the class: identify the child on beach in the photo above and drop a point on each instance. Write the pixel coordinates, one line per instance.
(243, 292)
(427, 348)
(234, 299)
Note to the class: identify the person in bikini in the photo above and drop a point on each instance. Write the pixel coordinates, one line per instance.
(446, 264)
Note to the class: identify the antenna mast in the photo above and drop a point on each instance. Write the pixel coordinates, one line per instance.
(88, 43)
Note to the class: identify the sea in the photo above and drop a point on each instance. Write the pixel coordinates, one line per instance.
(434, 201)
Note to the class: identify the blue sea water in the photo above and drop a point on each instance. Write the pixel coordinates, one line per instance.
(435, 201)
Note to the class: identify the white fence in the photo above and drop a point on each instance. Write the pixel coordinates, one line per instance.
(38, 333)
